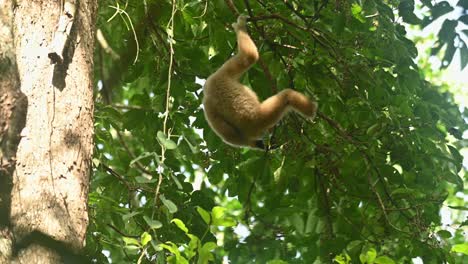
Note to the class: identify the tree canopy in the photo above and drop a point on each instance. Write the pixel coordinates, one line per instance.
(363, 183)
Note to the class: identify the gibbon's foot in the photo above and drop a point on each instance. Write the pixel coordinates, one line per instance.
(273, 146)
(313, 112)
(241, 23)
(260, 145)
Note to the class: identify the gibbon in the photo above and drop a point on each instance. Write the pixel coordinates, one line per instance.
(233, 110)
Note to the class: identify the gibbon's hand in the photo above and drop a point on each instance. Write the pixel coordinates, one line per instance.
(241, 23)
(233, 110)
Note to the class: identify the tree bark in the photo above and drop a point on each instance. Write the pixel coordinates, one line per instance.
(12, 118)
(47, 200)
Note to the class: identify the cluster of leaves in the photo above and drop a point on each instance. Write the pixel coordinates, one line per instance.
(364, 183)
(451, 32)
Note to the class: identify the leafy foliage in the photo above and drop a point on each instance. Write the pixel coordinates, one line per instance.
(453, 33)
(364, 183)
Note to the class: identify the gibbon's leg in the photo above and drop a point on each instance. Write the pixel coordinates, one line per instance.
(247, 52)
(273, 108)
(229, 133)
(234, 136)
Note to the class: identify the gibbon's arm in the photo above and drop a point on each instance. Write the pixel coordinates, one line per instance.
(233, 110)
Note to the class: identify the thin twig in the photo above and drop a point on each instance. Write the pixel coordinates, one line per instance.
(231, 6)
(268, 75)
(337, 127)
(121, 178)
(326, 204)
(105, 45)
(170, 30)
(122, 233)
(315, 33)
(204, 10)
(261, 62)
(381, 179)
(139, 165)
(120, 11)
(117, 175)
(291, 7)
(131, 107)
(248, 205)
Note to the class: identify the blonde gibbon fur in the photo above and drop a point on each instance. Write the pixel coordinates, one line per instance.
(233, 110)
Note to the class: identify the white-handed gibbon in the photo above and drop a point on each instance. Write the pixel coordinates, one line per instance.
(233, 110)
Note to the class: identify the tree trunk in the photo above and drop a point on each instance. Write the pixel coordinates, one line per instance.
(46, 129)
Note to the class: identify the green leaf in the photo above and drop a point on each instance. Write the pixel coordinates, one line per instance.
(384, 260)
(447, 31)
(226, 222)
(176, 181)
(166, 142)
(372, 130)
(131, 241)
(218, 212)
(205, 254)
(173, 248)
(437, 47)
(354, 247)
(169, 144)
(180, 225)
(403, 192)
(298, 223)
(190, 251)
(464, 223)
(406, 11)
(219, 218)
(385, 10)
(142, 179)
(460, 248)
(142, 156)
(356, 10)
(449, 52)
(457, 157)
(210, 246)
(427, 3)
(463, 4)
(188, 17)
(204, 214)
(368, 256)
(455, 179)
(437, 11)
(311, 223)
(342, 259)
(153, 224)
(169, 204)
(216, 172)
(463, 55)
(464, 19)
(193, 148)
(145, 238)
(277, 261)
(444, 234)
(339, 24)
(464, 208)
(125, 217)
